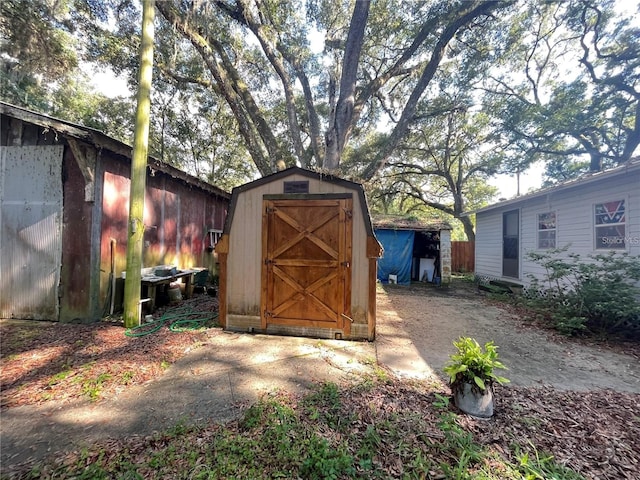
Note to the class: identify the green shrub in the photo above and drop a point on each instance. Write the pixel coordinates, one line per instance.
(599, 294)
(473, 364)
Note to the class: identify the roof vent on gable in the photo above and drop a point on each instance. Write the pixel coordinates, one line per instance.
(300, 186)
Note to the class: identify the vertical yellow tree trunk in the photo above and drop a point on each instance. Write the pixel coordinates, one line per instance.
(139, 170)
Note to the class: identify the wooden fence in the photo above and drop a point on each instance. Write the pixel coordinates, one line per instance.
(463, 256)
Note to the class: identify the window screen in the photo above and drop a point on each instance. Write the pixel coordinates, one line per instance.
(610, 223)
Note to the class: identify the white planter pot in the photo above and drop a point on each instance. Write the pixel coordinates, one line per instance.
(469, 400)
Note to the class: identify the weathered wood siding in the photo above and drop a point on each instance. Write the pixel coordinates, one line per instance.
(71, 249)
(574, 207)
(176, 218)
(245, 249)
(243, 261)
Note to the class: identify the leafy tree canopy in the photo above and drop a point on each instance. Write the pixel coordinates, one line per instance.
(427, 99)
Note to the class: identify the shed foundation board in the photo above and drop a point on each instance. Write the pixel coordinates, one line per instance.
(245, 323)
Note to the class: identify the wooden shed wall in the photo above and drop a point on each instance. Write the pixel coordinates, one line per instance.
(181, 209)
(75, 274)
(245, 248)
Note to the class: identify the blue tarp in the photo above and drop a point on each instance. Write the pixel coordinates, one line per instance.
(397, 256)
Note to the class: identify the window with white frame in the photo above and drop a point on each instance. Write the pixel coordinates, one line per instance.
(610, 225)
(547, 230)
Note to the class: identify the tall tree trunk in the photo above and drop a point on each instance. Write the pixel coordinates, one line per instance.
(260, 141)
(341, 119)
(468, 227)
(633, 138)
(595, 163)
(139, 170)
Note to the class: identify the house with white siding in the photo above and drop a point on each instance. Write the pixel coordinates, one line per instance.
(594, 214)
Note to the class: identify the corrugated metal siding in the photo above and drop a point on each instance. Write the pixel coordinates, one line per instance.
(245, 249)
(31, 235)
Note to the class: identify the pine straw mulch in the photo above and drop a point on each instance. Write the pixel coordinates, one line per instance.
(594, 433)
(49, 362)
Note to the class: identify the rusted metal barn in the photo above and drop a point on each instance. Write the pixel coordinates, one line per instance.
(64, 198)
(298, 256)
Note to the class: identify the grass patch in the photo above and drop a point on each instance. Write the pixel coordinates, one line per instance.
(386, 430)
(91, 387)
(60, 376)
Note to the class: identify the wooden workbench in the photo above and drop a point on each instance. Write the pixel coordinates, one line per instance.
(151, 282)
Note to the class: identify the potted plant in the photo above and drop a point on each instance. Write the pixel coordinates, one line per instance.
(471, 376)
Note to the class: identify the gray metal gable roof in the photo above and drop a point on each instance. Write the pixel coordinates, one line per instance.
(632, 166)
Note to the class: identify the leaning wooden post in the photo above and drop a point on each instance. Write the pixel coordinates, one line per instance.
(139, 170)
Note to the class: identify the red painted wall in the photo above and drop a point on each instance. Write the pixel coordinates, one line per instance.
(75, 274)
(177, 217)
(177, 214)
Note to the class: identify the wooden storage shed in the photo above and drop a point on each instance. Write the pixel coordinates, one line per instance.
(298, 256)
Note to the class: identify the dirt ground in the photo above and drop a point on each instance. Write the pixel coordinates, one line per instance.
(221, 373)
(428, 319)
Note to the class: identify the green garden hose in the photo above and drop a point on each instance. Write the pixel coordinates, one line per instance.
(180, 319)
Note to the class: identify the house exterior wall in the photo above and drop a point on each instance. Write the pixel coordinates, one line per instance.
(243, 280)
(574, 207)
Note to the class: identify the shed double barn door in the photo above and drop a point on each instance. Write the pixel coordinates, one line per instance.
(306, 273)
